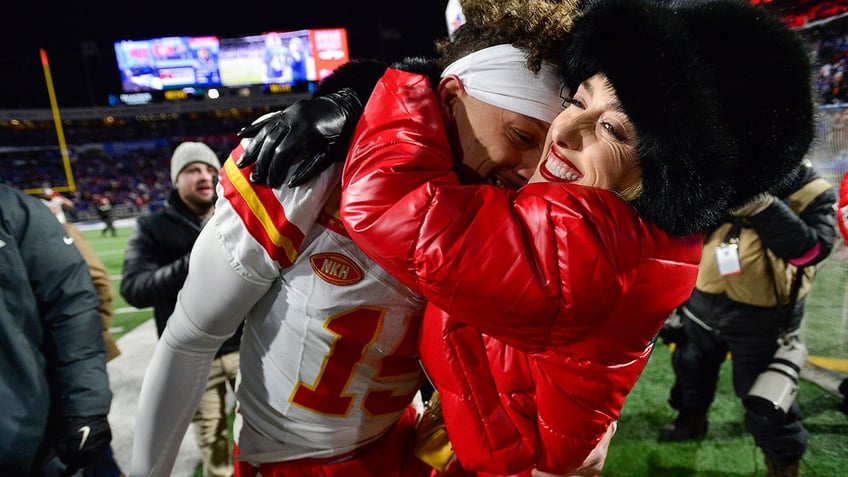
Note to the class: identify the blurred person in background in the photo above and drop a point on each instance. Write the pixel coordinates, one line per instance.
(562, 286)
(156, 264)
(55, 389)
(104, 211)
(758, 266)
(298, 57)
(57, 203)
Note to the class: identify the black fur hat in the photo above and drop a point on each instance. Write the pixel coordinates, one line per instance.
(719, 94)
(361, 75)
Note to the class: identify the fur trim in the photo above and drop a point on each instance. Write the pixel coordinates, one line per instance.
(359, 75)
(764, 77)
(362, 75)
(719, 117)
(422, 66)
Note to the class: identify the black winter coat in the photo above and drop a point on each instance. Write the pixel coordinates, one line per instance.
(52, 357)
(156, 262)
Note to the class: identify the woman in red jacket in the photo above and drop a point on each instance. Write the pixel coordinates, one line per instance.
(562, 289)
(544, 303)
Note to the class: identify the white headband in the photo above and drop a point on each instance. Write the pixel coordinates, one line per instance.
(499, 76)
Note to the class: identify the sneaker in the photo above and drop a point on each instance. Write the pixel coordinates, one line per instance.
(686, 427)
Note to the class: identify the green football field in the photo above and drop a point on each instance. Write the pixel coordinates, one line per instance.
(727, 450)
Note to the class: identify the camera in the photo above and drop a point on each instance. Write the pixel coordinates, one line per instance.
(672, 330)
(775, 389)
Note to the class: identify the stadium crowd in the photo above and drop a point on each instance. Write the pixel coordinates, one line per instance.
(130, 171)
(798, 13)
(829, 48)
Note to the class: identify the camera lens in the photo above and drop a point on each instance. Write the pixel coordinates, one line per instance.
(776, 388)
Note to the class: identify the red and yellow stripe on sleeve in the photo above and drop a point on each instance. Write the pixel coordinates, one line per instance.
(261, 211)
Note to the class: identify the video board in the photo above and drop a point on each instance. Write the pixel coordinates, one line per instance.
(271, 58)
(165, 63)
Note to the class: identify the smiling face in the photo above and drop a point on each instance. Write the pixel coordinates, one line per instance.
(500, 146)
(592, 142)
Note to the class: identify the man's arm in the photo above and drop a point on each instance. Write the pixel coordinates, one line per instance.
(316, 132)
(177, 374)
(804, 238)
(66, 202)
(145, 282)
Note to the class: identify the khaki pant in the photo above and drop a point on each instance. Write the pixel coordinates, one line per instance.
(103, 285)
(211, 421)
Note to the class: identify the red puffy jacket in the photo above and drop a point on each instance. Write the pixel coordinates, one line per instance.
(544, 302)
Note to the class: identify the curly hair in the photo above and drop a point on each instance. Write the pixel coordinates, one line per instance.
(539, 26)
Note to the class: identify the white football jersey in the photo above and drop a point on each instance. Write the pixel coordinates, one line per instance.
(329, 356)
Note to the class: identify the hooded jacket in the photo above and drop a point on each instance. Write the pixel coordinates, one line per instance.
(565, 286)
(53, 360)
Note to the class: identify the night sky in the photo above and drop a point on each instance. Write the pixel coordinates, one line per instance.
(382, 29)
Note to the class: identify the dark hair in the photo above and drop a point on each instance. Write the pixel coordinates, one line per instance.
(539, 26)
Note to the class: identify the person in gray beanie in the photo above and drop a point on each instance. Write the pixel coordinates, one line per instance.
(156, 265)
(190, 152)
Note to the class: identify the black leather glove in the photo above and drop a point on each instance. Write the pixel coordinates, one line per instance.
(81, 440)
(314, 132)
(280, 138)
